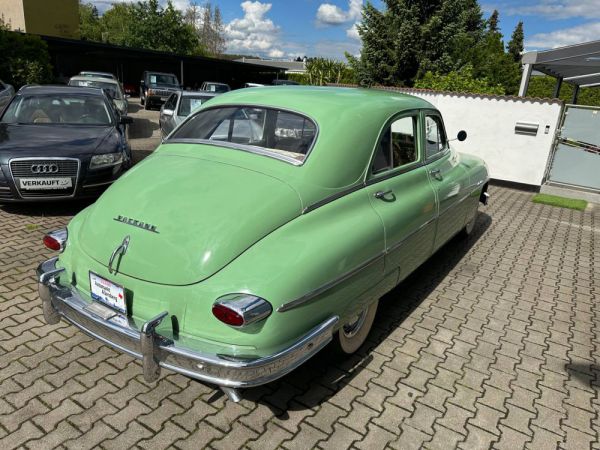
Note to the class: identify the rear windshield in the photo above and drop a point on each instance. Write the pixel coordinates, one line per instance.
(111, 88)
(188, 104)
(274, 132)
(57, 108)
(156, 78)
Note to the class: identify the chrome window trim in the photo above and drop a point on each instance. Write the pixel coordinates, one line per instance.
(248, 148)
(56, 158)
(445, 151)
(393, 171)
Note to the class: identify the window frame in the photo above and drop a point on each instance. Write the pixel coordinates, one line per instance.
(446, 150)
(394, 171)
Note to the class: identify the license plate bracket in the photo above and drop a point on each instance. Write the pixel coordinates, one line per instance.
(107, 292)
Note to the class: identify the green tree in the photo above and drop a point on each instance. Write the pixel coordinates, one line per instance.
(321, 71)
(492, 22)
(145, 24)
(515, 45)
(25, 58)
(89, 22)
(458, 81)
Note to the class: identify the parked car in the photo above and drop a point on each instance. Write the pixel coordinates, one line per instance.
(6, 93)
(90, 73)
(267, 225)
(178, 106)
(60, 142)
(112, 87)
(156, 87)
(213, 86)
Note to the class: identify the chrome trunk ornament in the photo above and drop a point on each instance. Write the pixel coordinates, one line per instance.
(120, 251)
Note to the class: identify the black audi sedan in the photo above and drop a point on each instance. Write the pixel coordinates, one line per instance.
(60, 142)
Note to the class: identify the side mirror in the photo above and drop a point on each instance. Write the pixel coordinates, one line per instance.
(126, 120)
(462, 135)
(167, 112)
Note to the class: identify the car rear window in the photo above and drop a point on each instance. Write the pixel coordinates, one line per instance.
(282, 134)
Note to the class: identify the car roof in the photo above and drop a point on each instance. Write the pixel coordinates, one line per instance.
(159, 73)
(98, 79)
(60, 89)
(96, 71)
(349, 121)
(197, 94)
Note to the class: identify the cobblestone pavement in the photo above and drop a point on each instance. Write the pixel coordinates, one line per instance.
(494, 342)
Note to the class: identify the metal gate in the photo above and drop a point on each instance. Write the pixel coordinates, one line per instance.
(576, 160)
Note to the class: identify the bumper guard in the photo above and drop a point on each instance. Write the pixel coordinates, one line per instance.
(156, 351)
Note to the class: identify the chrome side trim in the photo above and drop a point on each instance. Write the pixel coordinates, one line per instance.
(310, 296)
(411, 234)
(333, 197)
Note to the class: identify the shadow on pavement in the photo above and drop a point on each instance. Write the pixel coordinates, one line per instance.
(142, 128)
(584, 373)
(325, 374)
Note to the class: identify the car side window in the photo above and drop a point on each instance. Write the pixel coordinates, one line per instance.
(397, 145)
(171, 102)
(435, 137)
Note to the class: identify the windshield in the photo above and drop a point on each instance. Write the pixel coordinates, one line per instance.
(189, 104)
(157, 78)
(57, 108)
(274, 131)
(111, 89)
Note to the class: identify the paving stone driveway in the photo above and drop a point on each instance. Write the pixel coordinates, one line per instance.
(494, 342)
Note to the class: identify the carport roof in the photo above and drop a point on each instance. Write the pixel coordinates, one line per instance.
(576, 64)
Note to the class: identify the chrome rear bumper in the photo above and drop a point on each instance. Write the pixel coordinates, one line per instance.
(156, 351)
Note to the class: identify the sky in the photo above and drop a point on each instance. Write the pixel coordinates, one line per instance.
(284, 29)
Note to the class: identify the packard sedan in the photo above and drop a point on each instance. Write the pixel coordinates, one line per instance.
(267, 225)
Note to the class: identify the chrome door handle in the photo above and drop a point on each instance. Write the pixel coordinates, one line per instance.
(382, 194)
(437, 174)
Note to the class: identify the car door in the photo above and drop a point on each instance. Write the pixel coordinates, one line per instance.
(401, 194)
(167, 115)
(447, 176)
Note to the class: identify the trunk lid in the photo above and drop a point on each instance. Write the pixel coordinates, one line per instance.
(186, 217)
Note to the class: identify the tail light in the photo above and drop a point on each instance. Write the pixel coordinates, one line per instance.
(240, 310)
(56, 240)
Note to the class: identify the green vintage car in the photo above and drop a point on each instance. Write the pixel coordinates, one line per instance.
(268, 224)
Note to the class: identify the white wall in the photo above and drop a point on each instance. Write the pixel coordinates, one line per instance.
(490, 124)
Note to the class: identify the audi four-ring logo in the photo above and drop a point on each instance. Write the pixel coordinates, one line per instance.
(44, 168)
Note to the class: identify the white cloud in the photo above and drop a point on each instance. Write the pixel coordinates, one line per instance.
(329, 14)
(559, 9)
(567, 36)
(276, 53)
(254, 32)
(352, 32)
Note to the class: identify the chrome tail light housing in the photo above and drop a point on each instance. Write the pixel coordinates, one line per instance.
(56, 240)
(241, 310)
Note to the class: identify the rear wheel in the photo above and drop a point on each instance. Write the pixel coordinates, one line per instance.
(354, 332)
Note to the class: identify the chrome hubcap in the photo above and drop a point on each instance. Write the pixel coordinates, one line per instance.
(352, 327)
